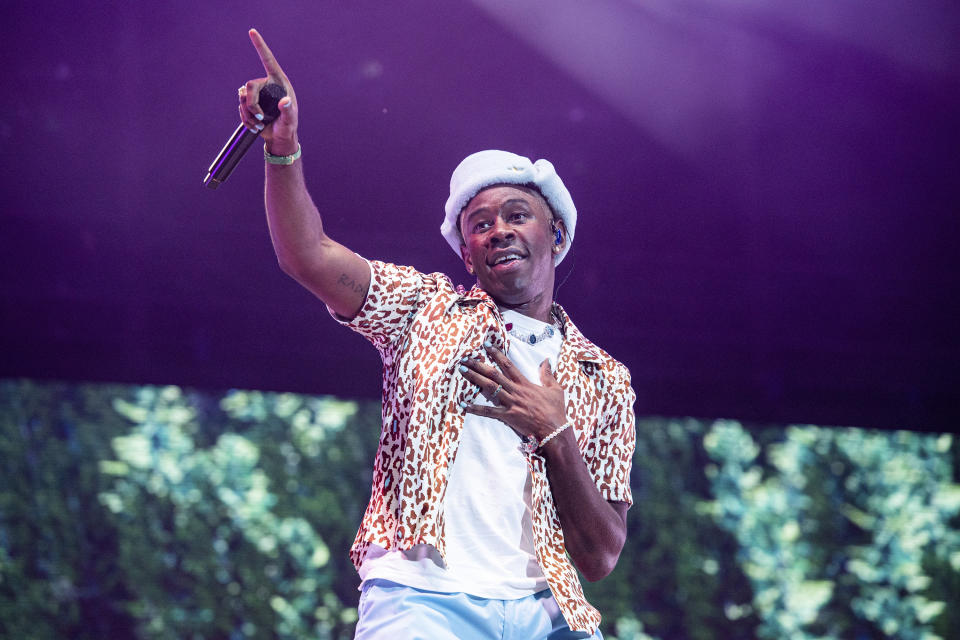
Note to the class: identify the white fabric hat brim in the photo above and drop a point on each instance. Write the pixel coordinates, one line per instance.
(487, 168)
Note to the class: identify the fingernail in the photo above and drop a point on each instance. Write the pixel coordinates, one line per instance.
(462, 368)
(258, 116)
(259, 127)
(463, 405)
(253, 130)
(487, 344)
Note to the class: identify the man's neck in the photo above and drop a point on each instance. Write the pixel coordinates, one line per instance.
(539, 308)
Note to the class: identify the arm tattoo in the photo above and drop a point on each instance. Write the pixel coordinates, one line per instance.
(350, 283)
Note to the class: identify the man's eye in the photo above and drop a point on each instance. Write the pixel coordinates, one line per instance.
(519, 215)
(481, 226)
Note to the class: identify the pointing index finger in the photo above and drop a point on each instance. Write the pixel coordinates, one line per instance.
(270, 64)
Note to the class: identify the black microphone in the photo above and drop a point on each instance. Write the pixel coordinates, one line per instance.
(242, 138)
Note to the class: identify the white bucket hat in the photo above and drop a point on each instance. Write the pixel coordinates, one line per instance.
(486, 168)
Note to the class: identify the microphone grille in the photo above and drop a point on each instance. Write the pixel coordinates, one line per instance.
(269, 100)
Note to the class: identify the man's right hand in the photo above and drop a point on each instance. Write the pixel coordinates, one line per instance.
(305, 252)
(280, 136)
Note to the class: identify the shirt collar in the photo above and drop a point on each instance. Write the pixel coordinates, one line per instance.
(574, 341)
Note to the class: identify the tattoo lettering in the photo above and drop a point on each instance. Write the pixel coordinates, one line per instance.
(350, 283)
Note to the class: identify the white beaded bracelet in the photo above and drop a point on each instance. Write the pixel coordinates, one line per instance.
(554, 434)
(529, 444)
(272, 159)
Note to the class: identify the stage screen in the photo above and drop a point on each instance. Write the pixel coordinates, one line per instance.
(168, 512)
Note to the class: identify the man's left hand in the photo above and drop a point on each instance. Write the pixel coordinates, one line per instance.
(528, 408)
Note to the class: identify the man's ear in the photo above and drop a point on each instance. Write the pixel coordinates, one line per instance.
(467, 258)
(558, 226)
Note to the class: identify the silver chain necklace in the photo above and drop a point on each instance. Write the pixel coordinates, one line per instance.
(531, 338)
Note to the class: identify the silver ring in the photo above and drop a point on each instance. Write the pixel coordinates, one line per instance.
(493, 395)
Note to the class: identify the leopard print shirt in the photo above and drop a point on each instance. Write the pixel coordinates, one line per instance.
(422, 326)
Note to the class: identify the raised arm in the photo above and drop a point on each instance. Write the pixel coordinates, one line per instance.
(305, 252)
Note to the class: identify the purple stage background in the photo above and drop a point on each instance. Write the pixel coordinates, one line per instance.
(767, 190)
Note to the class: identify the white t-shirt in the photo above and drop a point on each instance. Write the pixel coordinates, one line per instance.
(489, 534)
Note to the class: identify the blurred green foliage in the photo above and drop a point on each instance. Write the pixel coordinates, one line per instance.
(157, 512)
(677, 574)
(839, 529)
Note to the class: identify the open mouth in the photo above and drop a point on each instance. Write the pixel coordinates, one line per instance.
(507, 261)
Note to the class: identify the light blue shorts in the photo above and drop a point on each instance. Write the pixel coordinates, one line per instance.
(391, 611)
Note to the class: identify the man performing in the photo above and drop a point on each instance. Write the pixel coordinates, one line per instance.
(507, 436)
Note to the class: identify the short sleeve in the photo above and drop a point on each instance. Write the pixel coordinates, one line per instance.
(393, 298)
(610, 456)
